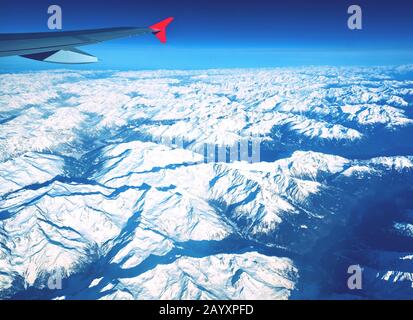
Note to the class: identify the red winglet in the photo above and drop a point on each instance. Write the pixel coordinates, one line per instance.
(159, 29)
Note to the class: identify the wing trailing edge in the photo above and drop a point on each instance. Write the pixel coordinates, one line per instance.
(65, 56)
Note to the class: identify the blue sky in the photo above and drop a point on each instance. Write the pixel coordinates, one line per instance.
(217, 34)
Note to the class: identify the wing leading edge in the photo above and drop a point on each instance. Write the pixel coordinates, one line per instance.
(61, 47)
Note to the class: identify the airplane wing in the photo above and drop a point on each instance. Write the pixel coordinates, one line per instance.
(61, 47)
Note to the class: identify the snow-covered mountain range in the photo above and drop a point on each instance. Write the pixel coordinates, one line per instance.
(88, 193)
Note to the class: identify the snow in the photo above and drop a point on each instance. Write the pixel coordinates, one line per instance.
(87, 188)
(224, 276)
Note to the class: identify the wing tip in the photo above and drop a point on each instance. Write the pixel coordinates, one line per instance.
(159, 29)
